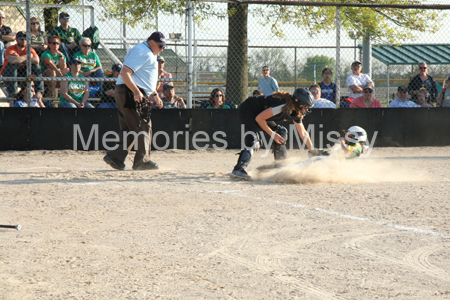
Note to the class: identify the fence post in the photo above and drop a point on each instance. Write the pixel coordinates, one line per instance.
(27, 8)
(338, 56)
(189, 64)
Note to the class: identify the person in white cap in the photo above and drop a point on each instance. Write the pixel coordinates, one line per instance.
(356, 81)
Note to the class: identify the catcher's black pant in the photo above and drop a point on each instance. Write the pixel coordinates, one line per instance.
(131, 122)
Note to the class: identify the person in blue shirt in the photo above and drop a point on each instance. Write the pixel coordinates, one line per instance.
(268, 85)
(328, 88)
(136, 82)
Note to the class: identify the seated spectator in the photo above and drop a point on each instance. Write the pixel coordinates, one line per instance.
(162, 74)
(318, 101)
(15, 65)
(169, 99)
(356, 81)
(69, 36)
(327, 87)
(74, 94)
(257, 93)
(443, 100)
(53, 64)
(268, 85)
(6, 36)
(366, 100)
(217, 99)
(22, 97)
(38, 38)
(107, 99)
(422, 80)
(402, 99)
(422, 98)
(91, 65)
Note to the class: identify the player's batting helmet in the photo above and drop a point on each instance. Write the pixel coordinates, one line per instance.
(357, 133)
(303, 97)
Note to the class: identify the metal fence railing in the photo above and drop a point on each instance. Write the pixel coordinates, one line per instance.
(296, 42)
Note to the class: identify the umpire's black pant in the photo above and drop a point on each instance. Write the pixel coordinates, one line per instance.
(130, 125)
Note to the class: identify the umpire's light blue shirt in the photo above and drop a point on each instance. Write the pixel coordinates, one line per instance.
(144, 64)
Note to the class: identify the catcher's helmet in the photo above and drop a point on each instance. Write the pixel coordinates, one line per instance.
(303, 97)
(357, 133)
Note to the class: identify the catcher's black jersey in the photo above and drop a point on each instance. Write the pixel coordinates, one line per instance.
(261, 103)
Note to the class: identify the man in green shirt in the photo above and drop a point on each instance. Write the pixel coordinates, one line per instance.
(91, 65)
(69, 36)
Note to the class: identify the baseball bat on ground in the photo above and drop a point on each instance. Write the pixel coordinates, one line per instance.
(11, 226)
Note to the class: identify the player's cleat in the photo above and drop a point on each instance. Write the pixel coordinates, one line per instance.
(148, 165)
(240, 175)
(114, 162)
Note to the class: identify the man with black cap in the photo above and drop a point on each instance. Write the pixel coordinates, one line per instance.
(136, 82)
(170, 100)
(402, 99)
(6, 36)
(356, 81)
(15, 65)
(69, 36)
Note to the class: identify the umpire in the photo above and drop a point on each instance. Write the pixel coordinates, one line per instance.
(136, 82)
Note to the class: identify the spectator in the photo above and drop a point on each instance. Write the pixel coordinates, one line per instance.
(356, 81)
(107, 99)
(217, 99)
(318, 101)
(15, 63)
(443, 100)
(38, 39)
(91, 67)
(74, 94)
(162, 74)
(169, 99)
(6, 36)
(422, 98)
(268, 85)
(22, 97)
(69, 36)
(422, 80)
(402, 99)
(53, 64)
(257, 93)
(366, 100)
(327, 87)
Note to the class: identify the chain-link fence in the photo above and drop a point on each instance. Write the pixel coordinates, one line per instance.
(242, 47)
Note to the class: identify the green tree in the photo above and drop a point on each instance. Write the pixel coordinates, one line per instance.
(276, 59)
(321, 62)
(391, 25)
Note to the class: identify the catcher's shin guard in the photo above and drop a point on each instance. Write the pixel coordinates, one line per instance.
(280, 151)
(244, 159)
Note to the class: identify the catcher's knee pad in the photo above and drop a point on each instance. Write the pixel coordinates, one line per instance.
(244, 159)
(280, 151)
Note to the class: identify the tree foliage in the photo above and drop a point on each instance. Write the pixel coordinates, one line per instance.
(391, 25)
(321, 62)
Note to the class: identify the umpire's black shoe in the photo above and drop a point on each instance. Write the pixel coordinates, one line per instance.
(114, 162)
(148, 165)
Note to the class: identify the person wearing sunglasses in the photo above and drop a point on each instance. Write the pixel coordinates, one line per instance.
(91, 67)
(162, 74)
(357, 80)
(258, 114)
(268, 85)
(423, 79)
(169, 99)
(69, 36)
(217, 99)
(366, 100)
(74, 94)
(38, 38)
(136, 82)
(53, 64)
(6, 36)
(320, 102)
(15, 65)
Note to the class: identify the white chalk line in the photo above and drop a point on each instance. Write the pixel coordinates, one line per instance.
(379, 223)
